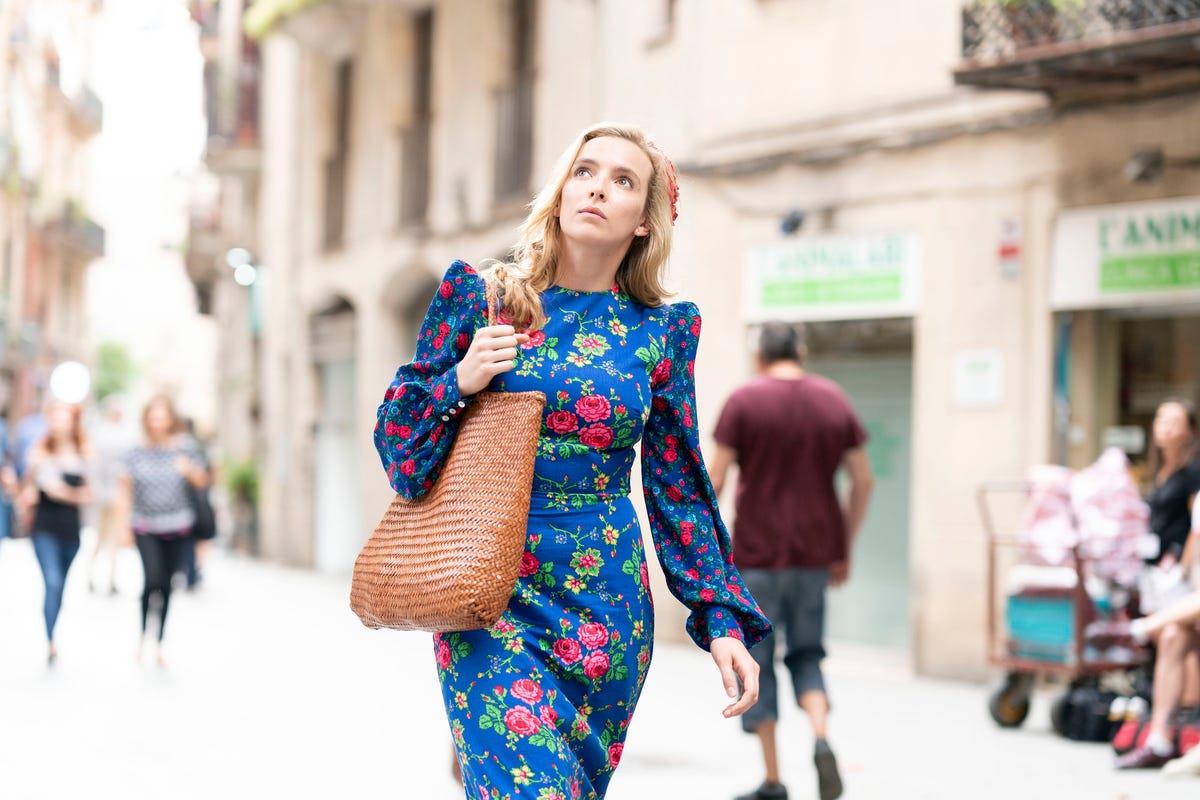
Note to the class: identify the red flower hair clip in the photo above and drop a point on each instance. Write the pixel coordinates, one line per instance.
(672, 182)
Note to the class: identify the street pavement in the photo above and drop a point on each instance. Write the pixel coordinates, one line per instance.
(272, 689)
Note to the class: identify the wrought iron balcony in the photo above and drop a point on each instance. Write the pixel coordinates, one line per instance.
(80, 236)
(1051, 45)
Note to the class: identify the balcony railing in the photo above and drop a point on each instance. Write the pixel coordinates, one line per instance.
(1054, 44)
(78, 233)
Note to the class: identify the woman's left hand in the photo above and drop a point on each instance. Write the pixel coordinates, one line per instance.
(735, 662)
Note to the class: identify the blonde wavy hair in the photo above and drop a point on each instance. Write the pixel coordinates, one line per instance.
(535, 256)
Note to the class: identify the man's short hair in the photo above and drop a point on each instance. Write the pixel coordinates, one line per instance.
(780, 341)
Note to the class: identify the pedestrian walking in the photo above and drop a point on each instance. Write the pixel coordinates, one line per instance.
(111, 446)
(54, 490)
(156, 504)
(539, 704)
(789, 432)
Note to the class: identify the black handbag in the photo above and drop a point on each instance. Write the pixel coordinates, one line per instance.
(205, 526)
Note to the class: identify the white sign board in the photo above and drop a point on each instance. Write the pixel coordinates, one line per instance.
(1127, 255)
(978, 379)
(833, 277)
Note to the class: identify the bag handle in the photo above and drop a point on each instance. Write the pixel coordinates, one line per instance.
(490, 289)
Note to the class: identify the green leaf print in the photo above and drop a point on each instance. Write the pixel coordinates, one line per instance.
(650, 355)
(591, 344)
(588, 562)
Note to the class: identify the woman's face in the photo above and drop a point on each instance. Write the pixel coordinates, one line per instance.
(60, 419)
(158, 420)
(1171, 426)
(603, 202)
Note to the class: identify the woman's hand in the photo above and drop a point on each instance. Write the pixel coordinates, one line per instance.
(492, 351)
(734, 661)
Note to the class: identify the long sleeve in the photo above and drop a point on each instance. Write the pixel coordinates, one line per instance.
(416, 422)
(692, 542)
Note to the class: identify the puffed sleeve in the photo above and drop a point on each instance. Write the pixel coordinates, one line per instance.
(692, 542)
(416, 422)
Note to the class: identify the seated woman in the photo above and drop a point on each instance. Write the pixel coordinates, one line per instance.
(1175, 630)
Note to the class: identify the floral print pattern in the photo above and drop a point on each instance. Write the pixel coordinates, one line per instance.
(540, 703)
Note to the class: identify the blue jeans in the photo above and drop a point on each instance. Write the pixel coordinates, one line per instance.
(54, 556)
(794, 600)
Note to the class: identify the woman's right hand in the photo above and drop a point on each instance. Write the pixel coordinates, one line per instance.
(492, 351)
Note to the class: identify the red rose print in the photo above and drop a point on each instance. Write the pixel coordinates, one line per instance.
(614, 753)
(548, 715)
(597, 436)
(596, 665)
(443, 654)
(529, 565)
(685, 538)
(645, 577)
(521, 722)
(593, 408)
(695, 326)
(391, 429)
(446, 289)
(562, 422)
(463, 341)
(439, 342)
(404, 432)
(687, 527)
(439, 391)
(670, 455)
(443, 328)
(620, 410)
(408, 467)
(693, 574)
(593, 634)
(659, 404)
(671, 441)
(674, 493)
(536, 339)
(568, 651)
(504, 626)
(527, 690)
(661, 373)
(707, 595)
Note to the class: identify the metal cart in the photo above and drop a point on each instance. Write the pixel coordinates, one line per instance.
(1048, 640)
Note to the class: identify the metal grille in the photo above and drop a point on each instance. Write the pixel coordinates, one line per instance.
(995, 29)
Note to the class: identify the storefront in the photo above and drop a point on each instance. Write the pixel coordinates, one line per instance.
(1125, 283)
(857, 296)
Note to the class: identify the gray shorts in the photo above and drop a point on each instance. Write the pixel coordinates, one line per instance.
(794, 600)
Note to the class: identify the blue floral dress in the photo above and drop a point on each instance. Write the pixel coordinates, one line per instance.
(539, 704)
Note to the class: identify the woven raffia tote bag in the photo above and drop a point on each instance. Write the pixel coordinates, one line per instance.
(448, 561)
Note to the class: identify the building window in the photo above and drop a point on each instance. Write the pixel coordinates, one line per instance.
(514, 107)
(339, 157)
(414, 139)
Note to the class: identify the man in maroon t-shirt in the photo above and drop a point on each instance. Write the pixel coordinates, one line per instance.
(789, 432)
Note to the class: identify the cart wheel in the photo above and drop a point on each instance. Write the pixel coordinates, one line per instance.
(1058, 713)
(1009, 705)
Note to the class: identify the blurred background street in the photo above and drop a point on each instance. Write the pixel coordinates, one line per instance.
(273, 689)
(986, 214)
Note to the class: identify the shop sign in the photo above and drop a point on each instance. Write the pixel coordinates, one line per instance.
(826, 278)
(1132, 254)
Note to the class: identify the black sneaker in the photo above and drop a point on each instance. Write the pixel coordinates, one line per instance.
(829, 780)
(768, 791)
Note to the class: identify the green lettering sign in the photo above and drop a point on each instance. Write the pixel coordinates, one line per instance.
(1151, 272)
